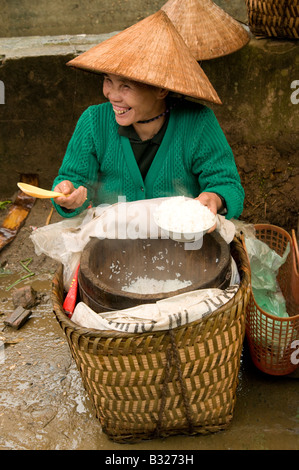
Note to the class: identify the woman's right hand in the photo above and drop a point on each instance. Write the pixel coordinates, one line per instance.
(73, 197)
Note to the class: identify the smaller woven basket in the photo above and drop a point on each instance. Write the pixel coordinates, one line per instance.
(273, 340)
(156, 384)
(274, 18)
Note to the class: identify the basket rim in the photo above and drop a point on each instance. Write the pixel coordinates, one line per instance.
(276, 227)
(95, 333)
(273, 317)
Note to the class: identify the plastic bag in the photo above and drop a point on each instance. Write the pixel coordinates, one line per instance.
(271, 302)
(264, 264)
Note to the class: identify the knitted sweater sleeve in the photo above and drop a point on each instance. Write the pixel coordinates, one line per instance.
(214, 162)
(80, 164)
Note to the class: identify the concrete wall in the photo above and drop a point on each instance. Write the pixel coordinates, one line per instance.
(43, 100)
(60, 17)
(256, 85)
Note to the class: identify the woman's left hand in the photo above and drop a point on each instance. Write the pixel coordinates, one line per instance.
(213, 202)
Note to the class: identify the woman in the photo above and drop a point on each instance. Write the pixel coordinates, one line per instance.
(143, 143)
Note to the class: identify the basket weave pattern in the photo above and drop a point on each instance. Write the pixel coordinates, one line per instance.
(269, 337)
(156, 384)
(274, 18)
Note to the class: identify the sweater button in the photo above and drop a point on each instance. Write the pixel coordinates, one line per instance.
(142, 188)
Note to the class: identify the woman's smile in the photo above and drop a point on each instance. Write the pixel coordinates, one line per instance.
(120, 110)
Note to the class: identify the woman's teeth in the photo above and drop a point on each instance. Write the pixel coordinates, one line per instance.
(121, 111)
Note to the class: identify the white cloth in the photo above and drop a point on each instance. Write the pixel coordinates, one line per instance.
(163, 315)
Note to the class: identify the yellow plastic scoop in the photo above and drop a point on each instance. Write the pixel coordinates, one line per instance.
(40, 193)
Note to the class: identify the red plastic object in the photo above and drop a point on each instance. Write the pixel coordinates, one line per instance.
(71, 297)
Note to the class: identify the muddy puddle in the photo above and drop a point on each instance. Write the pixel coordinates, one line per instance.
(43, 405)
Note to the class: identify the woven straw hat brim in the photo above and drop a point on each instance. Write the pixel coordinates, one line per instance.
(206, 28)
(152, 52)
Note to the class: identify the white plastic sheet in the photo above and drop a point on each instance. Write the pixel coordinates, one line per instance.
(64, 241)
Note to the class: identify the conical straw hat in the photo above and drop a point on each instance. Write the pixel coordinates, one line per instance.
(207, 30)
(153, 52)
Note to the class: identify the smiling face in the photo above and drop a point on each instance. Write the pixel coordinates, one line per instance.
(133, 101)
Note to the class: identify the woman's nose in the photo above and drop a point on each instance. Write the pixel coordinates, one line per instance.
(111, 92)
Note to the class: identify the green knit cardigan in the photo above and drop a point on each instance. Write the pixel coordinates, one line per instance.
(193, 157)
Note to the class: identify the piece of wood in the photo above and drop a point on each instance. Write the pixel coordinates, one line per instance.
(17, 318)
(17, 213)
(49, 216)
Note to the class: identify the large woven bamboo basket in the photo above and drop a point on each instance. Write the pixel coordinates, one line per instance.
(157, 384)
(273, 340)
(274, 18)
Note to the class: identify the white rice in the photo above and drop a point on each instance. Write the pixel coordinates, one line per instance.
(182, 215)
(145, 285)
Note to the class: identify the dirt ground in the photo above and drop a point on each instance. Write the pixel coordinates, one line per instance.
(43, 404)
(271, 182)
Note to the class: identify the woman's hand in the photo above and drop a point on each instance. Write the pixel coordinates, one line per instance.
(213, 202)
(73, 197)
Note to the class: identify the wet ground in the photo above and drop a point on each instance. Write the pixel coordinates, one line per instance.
(43, 405)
